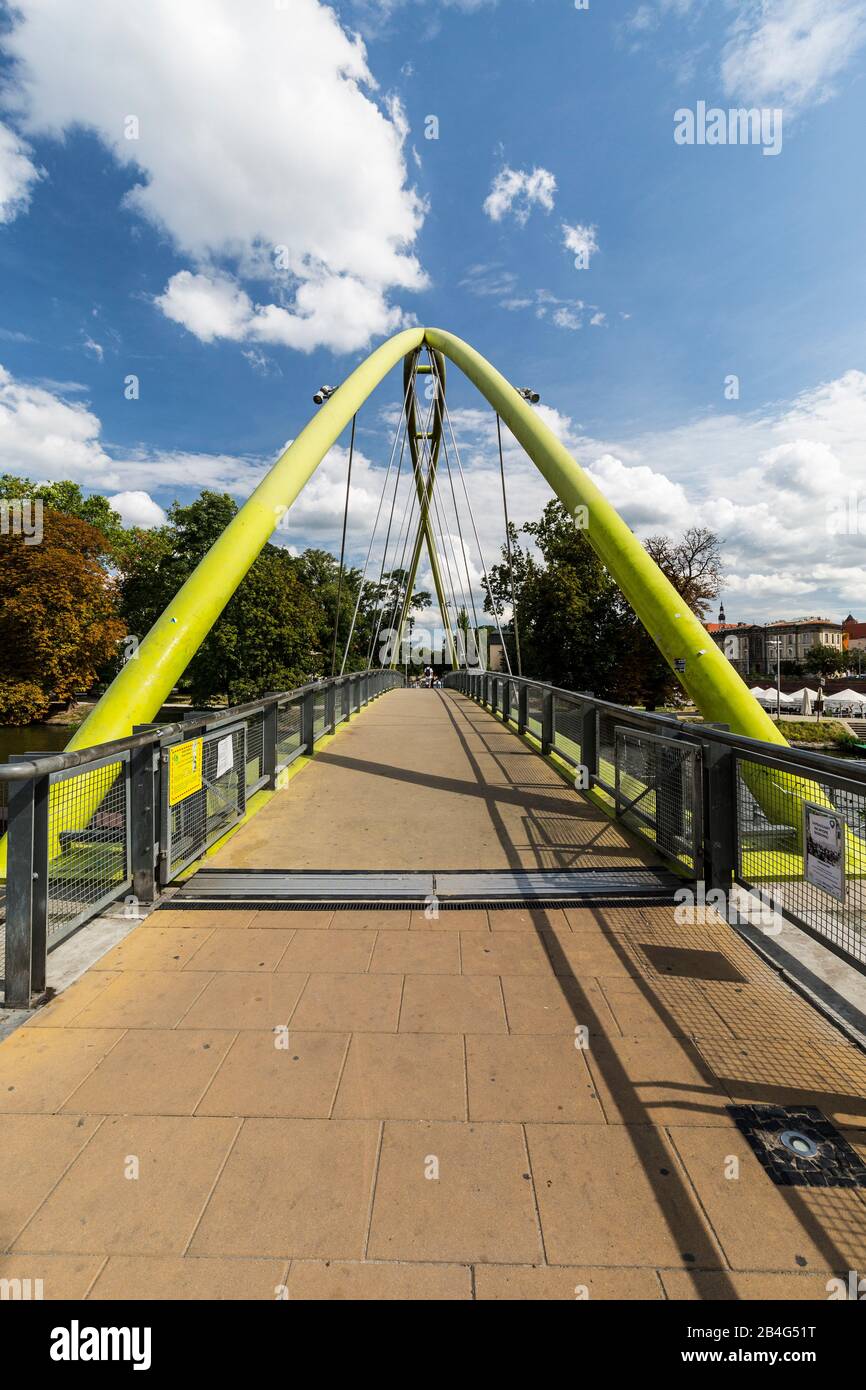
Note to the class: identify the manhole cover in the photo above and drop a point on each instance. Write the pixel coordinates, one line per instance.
(799, 1147)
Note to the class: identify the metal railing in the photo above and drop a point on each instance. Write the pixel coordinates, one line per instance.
(124, 819)
(723, 809)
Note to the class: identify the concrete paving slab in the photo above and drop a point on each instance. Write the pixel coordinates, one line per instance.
(452, 1004)
(403, 1076)
(40, 1067)
(575, 1283)
(530, 1079)
(143, 999)
(35, 1152)
(339, 1280)
(176, 1277)
(49, 1277)
(417, 953)
(239, 1000)
(271, 1074)
(347, 951)
(349, 1003)
(152, 1072)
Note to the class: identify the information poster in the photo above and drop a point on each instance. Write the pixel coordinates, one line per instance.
(225, 756)
(824, 850)
(184, 770)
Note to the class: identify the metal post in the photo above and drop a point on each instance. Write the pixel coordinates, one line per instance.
(308, 716)
(547, 730)
(330, 721)
(365, 690)
(143, 763)
(720, 816)
(506, 701)
(27, 889)
(522, 708)
(269, 744)
(346, 695)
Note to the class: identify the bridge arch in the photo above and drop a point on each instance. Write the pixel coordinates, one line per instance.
(143, 685)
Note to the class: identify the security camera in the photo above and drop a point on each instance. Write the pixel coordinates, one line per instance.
(323, 394)
(528, 395)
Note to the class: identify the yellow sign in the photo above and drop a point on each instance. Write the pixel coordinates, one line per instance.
(184, 770)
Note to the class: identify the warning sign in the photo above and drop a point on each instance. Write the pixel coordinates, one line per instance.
(184, 770)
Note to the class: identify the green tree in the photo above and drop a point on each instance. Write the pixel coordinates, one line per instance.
(58, 616)
(824, 660)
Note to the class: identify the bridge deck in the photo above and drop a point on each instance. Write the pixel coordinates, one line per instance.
(428, 780)
(377, 1104)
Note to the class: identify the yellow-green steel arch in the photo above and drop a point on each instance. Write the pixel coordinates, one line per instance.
(143, 685)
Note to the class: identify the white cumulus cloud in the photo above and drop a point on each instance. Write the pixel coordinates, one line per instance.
(263, 152)
(517, 191)
(789, 52)
(18, 174)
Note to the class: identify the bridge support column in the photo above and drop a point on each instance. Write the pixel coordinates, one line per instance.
(720, 816)
(589, 741)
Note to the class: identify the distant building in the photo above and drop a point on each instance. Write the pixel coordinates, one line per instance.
(854, 634)
(752, 647)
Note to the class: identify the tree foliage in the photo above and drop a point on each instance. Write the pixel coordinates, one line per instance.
(575, 627)
(59, 622)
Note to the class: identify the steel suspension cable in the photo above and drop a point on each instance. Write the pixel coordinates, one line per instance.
(343, 545)
(447, 414)
(372, 539)
(463, 546)
(508, 550)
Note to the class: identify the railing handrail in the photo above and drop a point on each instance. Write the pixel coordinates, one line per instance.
(784, 752)
(48, 763)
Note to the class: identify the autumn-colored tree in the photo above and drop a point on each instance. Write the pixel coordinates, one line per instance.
(58, 616)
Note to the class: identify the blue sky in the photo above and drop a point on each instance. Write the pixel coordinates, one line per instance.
(283, 125)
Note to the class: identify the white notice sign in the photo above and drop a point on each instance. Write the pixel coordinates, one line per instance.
(225, 756)
(824, 849)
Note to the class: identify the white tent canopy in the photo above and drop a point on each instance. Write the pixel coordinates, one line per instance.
(806, 690)
(846, 697)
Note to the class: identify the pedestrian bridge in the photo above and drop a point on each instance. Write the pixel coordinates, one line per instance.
(338, 1085)
(362, 991)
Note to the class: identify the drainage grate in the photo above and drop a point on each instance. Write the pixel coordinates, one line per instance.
(289, 888)
(799, 1147)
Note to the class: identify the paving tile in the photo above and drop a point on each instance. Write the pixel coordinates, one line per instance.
(519, 1283)
(451, 919)
(772, 1010)
(790, 1072)
(70, 1002)
(349, 1003)
(40, 1066)
(49, 1277)
(661, 1008)
(299, 1188)
(657, 1081)
(407, 1076)
(480, 1207)
(534, 1004)
(335, 1280)
(302, 919)
(176, 1278)
(152, 1071)
(503, 953)
(761, 1225)
(530, 1078)
(35, 1150)
(97, 1208)
(587, 953)
(159, 948)
(680, 1284)
(452, 1004)
(197, 918)
(230, 950)
(526, 919)
(643, 1212)
(370, 919)
(255, 999)
(417, 953)
(348, 951)
(143, 999)
(260, 1076)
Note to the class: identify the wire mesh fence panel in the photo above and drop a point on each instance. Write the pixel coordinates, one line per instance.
(534, 701)
(607, 750)
(801, 844)
(255, 768)
(513, 701)
(567, 728)
(658, 793)
(288, 733)
(88, 844)
(319, 715)
(204, 795)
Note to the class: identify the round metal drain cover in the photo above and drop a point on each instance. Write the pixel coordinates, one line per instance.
(796, 1142)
